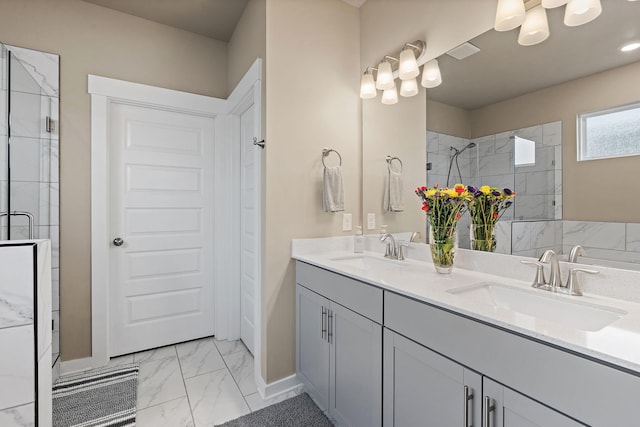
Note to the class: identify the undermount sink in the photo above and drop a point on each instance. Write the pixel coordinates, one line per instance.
(567, 312)
(367, 262)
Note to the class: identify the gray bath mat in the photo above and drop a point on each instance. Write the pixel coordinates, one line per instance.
(102, 398)
(299, 411)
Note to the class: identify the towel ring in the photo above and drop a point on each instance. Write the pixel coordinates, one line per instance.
(325, 153)
(391, 159)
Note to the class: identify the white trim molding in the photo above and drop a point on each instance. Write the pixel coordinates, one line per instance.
(276, 388)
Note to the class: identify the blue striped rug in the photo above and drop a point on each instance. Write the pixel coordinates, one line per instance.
(99, 398)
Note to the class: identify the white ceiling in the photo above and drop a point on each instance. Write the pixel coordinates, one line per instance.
(211, 18)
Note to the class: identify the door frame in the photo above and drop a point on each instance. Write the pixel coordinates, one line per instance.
(105, 91)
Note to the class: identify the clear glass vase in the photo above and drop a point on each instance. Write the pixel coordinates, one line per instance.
(443, 242)
(483, 237)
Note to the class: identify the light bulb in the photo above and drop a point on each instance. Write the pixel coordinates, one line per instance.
(408, 68)
(535, 28)
(509, 15)
(431, 76)
(630, 46)
(367, 87)
(550, 4)
(390, 96)
(409, 88)
(579, 12)
(385, 76)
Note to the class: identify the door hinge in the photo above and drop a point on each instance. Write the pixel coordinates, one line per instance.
(49, 124)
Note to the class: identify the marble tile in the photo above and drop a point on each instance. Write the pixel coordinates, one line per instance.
(533, 133)
(497, 164)
(17, 366)
(159, 381)
(531, 207)
(3, 112)
(602, 235)
(28, 161)
(26, 110)
(504, 142)
(552, 133)
(43, 302)
(175, 413)
(256, 402)
(55, 286)
(21, 80)
(45, 375)
(16, 295)
(241, 366)
(21, 416)
(503, 237)
(155, 354)
(520, 237)
(42, 66)
(215, 398)
(633, 237)
(199, 357)
(54, 235)
(226, 347)
(543, 234)
(486, 145)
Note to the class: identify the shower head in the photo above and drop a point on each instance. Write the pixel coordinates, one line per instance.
(458, 152)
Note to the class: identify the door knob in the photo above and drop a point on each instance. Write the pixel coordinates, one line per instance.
(118, 241)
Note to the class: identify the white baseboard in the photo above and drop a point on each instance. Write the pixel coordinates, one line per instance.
(77, 365)
(276, 388)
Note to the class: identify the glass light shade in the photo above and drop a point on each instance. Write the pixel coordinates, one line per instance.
(368, 87)
(550, 4)
(431, 76)
(509, 15)
(390, 96)
(408, 68)
(385, 76)
(535, 28)
(630, 46)
(409, 88)
(579, 12)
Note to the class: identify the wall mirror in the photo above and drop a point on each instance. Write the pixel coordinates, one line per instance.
(507, 91)
(29, 143)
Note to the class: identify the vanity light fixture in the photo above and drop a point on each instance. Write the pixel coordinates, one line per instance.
(385, 75)
(431, 76)
(579, 12)
(409, 88)
(510, 14)
(408, 67)
(390, 96)
(550, 4)
(368, 85)
(535, 28)
(630, 46)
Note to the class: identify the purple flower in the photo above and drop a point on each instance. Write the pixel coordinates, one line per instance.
(508, 204)
(472, 189)
(508, 192)
(495, 193)
(477, 193)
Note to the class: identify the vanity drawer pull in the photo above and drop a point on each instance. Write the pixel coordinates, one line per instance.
(468, 397)
(487, 409)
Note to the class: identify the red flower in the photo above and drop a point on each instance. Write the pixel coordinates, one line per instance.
(457, 216)
(495, 214)
(425, 206)
(424, 188)
(459, 190)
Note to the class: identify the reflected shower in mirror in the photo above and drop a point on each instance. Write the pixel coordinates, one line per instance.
(29, 142)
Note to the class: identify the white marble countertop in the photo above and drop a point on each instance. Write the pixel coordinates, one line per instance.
(617, 343)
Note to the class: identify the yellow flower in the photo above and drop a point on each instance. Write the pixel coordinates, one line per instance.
(450, 192)
(430, 192)
(485, 189)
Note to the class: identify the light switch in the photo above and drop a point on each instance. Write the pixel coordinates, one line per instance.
(347, 219)
(371, 221)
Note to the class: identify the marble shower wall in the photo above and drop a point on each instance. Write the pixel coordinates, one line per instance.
(34, 93)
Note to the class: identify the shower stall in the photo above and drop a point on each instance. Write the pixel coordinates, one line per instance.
(29, 103)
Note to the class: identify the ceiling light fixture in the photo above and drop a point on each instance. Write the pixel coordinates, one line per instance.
(408, 67)
(409, 88)
(368, 85)
(510, 14)
(431, 76)
(390, 96)
(385, 75)
(535, 28)
(550, 4)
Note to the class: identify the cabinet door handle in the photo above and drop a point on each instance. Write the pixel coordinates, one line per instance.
(487, 409)
(468, 397)
(324, 322)
(330, 337)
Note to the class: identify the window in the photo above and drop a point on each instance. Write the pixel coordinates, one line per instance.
(525, 152)
(609, 133)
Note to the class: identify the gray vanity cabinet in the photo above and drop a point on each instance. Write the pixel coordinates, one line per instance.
(423, 388)
(338, 354)
(503, 407)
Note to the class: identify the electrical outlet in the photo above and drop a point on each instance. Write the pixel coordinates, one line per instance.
(347, 220)
(371, 221)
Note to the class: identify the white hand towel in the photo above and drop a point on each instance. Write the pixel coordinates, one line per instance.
(332, 190)
(393, 201)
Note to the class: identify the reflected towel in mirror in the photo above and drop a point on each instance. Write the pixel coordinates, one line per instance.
(393, 201)
(332, 190)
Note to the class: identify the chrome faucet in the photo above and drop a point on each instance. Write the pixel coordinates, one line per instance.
(555, 280)
(391, 250)
(576, 251)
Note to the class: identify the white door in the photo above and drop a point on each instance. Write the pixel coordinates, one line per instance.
(161, 184)
(249, 216)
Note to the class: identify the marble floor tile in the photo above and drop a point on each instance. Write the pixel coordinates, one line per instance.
(175, 413)
(215, 398)
(199, 357)
(120, 360)
(241, 366)
(155, 354)
(159, 381)
(227, 347)
(256, 402)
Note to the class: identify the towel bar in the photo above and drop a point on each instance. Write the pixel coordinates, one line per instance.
(325, 153)
(391, 159)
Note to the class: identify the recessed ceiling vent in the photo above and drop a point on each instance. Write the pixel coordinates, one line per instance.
(464, 50)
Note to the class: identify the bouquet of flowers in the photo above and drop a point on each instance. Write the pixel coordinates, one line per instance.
(486, 206)
(444, 207)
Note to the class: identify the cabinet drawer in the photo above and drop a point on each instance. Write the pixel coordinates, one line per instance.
(357, 296)
(582, 388)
